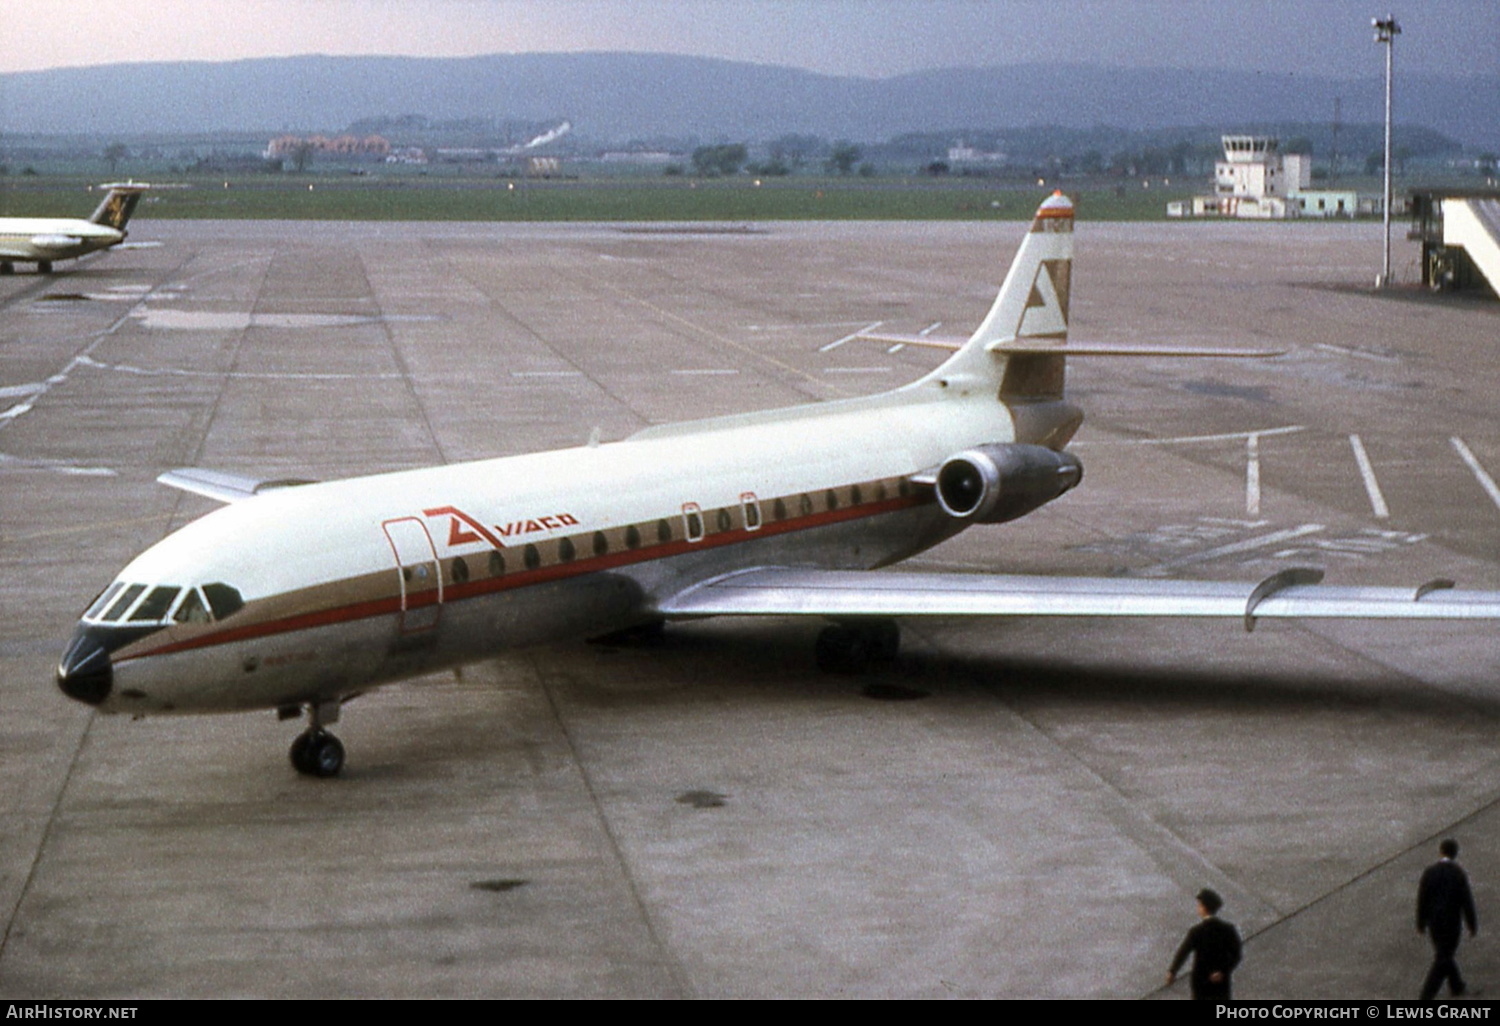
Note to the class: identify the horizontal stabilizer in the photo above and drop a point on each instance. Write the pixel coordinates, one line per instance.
(224, 487)
(1005, 346)
(1291, 594)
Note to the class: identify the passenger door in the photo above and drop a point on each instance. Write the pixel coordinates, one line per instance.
(417, 571)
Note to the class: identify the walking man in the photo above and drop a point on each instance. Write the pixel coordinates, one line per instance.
(1445, 905)
(1215, 947)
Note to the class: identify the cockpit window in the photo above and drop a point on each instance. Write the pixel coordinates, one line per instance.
(222, 599)
(124, 602)
(191, 609)
(156, 604)
(104, 599)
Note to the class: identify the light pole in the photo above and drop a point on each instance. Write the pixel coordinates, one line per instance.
(1386, 32)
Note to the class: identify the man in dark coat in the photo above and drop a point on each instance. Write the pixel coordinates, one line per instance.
(1444, 906)
(1215, 947)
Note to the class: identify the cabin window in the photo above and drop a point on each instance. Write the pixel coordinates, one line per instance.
(601, 543)
(531, 557)
(725, 521)
(806, 505)
(156, 604)
(903, 487)
(855, 496)
(663, 531)
(124, 602)
(778, 509)
(566, 551)
(104, 599)
(632, 537)
(223, 600)
(831, 497)
(460, 570)
(880, 492)
(191, 609)
(497, 564)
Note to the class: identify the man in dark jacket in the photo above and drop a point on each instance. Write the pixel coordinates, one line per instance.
(1215, 947)
(1444, 906)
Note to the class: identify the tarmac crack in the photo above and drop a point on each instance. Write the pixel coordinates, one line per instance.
(673, 968)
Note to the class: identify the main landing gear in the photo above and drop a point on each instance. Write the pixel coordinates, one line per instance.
(316, 752)
(853, 646)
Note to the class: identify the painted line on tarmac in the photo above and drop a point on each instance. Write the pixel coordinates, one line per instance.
(1367, 474)
(1480, 474)
(849, 338)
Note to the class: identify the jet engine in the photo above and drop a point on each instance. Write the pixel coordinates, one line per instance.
(991, 484)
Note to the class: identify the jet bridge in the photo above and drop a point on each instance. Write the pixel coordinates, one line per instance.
(1460, 236)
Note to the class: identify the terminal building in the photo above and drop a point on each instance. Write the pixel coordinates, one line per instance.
(1256, 180)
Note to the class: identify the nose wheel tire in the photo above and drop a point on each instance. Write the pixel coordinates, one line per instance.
(317, 753)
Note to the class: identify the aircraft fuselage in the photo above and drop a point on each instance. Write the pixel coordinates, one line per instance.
(328, 589)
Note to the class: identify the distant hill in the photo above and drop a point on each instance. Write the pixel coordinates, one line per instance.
(616, 97)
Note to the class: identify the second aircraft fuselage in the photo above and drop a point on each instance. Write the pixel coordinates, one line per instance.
(51, 238)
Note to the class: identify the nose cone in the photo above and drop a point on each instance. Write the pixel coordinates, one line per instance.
(84, 672)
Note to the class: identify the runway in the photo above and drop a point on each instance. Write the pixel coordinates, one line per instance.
(1015, 809)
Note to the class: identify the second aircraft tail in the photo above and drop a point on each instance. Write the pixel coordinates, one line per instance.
(116, 207)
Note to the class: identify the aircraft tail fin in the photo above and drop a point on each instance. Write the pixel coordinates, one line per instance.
(116, 207)
(1030, 315)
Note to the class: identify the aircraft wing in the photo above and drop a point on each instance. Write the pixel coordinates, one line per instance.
(953, 343)
(222, 486)
(1292, 593)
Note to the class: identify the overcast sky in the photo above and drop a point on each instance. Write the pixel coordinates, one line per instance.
(872, 38)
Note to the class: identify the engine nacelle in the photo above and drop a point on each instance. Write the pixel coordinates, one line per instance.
(991, 484)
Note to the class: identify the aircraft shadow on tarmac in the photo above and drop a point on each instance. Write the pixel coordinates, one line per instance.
(769, 659)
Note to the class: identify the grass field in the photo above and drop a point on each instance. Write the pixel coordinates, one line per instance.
(327, 197)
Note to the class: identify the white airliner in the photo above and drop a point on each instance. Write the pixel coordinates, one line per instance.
(41, 240)
(299, 596)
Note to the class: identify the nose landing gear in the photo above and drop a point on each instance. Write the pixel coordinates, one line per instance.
(316, 752)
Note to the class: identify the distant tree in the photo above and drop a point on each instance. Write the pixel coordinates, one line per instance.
(937, 168)
(1179, 157)
(867, 170)
(1486, 163)
(1299, 144)
(1374, 162)
(114, 153)
(843, 158)
(773, 168)
(796, 150)
(724, 159)
(302, 155)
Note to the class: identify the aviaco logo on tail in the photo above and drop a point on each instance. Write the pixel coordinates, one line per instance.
(465, 530)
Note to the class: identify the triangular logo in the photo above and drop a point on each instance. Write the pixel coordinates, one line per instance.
(1046, 313)
(457, 535)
